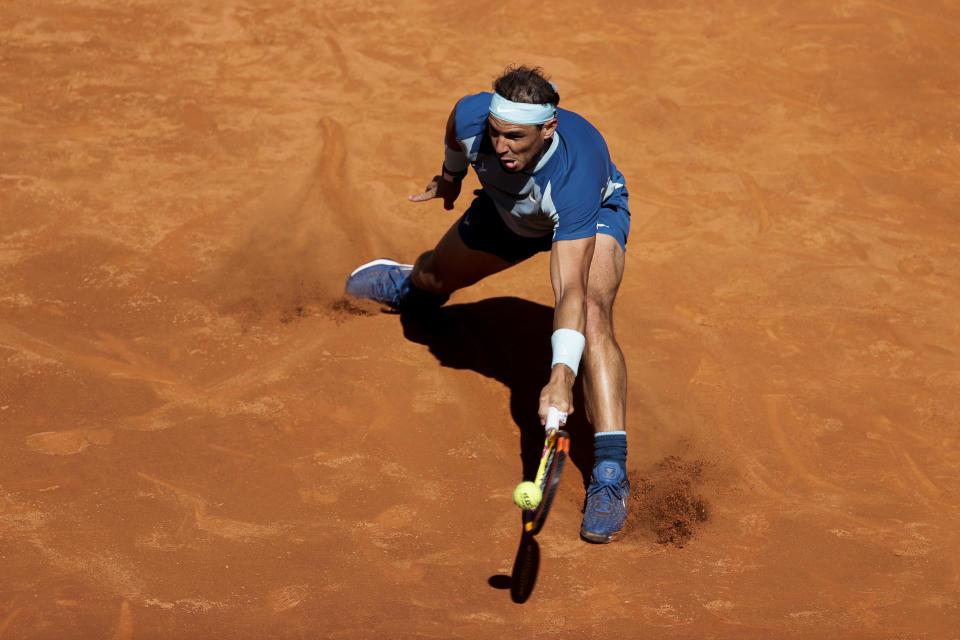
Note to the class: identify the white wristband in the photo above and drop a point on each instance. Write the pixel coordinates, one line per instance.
(454, 160)
(567, 348)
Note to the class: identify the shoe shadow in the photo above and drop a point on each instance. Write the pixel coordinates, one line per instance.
(507, 339)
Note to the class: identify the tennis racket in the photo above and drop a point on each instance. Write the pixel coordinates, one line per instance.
(556, 448)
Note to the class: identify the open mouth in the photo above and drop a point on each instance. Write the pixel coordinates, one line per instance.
(510, 164)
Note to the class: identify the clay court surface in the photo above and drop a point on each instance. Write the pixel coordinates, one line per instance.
(202, 439)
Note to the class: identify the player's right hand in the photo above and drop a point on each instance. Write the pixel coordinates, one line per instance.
(439, 188)
(557, 393)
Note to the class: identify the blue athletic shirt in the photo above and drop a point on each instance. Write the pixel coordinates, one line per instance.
(563, 193)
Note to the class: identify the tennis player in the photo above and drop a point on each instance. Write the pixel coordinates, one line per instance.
(548, 184)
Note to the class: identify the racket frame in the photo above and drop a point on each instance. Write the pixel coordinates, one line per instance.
(556, 448)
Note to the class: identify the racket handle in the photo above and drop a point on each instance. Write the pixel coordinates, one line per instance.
(554, 417)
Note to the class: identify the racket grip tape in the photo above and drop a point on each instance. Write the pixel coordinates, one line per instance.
(554, 418)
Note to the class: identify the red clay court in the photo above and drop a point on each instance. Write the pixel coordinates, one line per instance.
(200, 438)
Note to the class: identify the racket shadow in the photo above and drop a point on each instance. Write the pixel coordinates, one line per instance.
(507, 339)
(526, 568)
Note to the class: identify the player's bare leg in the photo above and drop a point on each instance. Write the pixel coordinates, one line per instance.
(427, 284)
(605, 392)
(605, 372)
(453, 265)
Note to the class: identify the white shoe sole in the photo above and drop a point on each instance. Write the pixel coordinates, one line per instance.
(374, 263)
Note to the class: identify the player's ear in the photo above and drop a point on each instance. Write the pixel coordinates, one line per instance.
(549, 127)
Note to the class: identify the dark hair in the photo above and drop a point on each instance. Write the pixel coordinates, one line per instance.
(523, 84)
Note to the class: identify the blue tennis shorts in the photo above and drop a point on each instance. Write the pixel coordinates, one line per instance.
(481, 228)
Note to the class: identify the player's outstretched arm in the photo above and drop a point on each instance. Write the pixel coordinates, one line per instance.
(569, 273)
(447, 184)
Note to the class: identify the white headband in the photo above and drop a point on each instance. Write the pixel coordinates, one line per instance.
(521, 112)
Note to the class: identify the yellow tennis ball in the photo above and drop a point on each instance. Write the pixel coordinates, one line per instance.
(527, 495)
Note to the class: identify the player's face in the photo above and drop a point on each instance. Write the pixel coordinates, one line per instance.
(518, 146)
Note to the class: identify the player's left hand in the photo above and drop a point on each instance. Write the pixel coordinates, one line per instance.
(439, 188)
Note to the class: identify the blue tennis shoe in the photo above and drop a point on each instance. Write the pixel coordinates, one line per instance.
(383, 280)
(606, 509)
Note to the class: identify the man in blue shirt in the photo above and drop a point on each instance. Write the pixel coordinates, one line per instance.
(548, 184)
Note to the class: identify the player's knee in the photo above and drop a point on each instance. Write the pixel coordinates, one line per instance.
(599, 319)
(424, 277)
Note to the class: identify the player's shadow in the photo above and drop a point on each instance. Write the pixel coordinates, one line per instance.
(508, 339)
